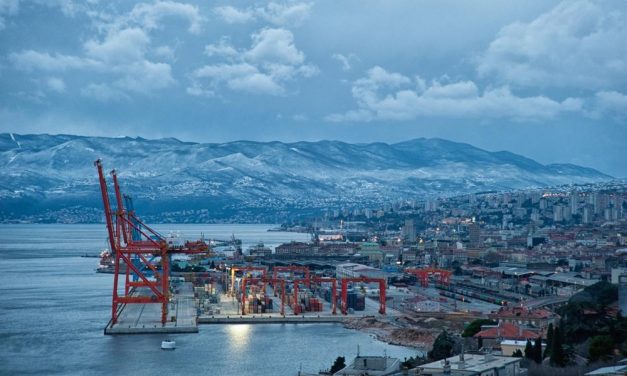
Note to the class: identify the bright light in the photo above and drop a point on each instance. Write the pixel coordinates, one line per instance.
(238, 335)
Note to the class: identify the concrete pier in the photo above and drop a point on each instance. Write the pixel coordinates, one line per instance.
(146, 318)
(270, 319)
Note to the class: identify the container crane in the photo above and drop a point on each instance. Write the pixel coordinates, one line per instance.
(292, 269)
(444, 276)
(245, 269)
(314, 279)
(143, 250)
(274, 281)
(382, 298)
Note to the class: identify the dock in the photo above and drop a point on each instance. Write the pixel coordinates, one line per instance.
(146, 318)
(271, 319)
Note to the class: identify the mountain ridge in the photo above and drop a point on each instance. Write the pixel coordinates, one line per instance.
(42, 173)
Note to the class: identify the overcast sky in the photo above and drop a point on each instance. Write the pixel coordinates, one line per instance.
(545, 79)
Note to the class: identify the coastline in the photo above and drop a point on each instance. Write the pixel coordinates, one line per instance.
(394, 333)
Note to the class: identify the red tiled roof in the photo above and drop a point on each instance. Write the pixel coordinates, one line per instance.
(508, 331)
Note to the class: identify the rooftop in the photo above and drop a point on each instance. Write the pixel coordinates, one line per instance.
(572, 278)
(506, 330)
(614, 370)
(473, 363)
(371, 365)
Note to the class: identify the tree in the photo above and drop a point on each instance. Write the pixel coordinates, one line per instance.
(339, 364)
(413, 362)
(601, 348)
(558, 358)
(549, 341)
(442, 347)
(475, 327)
(529, 350)
(537, 350)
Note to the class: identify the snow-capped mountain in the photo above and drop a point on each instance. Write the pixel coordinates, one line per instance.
(53, 173)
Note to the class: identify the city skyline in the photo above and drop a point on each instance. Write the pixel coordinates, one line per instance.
(543, 79)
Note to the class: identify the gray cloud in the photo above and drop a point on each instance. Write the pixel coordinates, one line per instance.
(56, 84)
(120, 56)
(578, 44)
(609, 103)
(233, 15)
(293, 14)
(8, 8)
(265, 68)
(383, 95)
(345, 60)
(34, 60)
(150, 15)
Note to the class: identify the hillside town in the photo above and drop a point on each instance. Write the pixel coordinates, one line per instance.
(492, 273)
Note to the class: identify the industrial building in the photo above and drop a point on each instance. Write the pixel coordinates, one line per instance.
(472, 365)
(353, 270)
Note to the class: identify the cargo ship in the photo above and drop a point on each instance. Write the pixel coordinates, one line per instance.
(107, 263)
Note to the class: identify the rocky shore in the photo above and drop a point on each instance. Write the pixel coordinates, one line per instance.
(396, 332)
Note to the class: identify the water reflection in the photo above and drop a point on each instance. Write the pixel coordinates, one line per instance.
(239, 336)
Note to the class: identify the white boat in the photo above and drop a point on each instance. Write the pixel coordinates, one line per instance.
(168, 344)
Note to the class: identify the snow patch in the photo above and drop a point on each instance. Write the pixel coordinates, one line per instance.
(19, 146)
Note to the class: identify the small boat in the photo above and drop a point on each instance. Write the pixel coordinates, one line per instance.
(168, 344)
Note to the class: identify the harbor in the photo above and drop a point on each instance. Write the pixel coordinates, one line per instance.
(193, 306)
(64, 316)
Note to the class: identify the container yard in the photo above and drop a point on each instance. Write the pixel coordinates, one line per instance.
(154, 293)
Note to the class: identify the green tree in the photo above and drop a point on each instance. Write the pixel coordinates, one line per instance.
(475, 327)
(413, 362)
(549, 341)
(442, 347)
(537, 350)
(558, 358)
(339, 364)
(601, 348)
(529, 350)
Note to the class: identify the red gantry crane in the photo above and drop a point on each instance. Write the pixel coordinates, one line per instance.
(292, 269)
(444, 276)
(245, 269)
(142, 250)
(274, 281)
(315, 279)
(382, 298)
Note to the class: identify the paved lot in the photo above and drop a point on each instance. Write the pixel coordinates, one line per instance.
(146, 318)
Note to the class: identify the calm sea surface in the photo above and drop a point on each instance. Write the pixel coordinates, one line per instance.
(54, 306)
